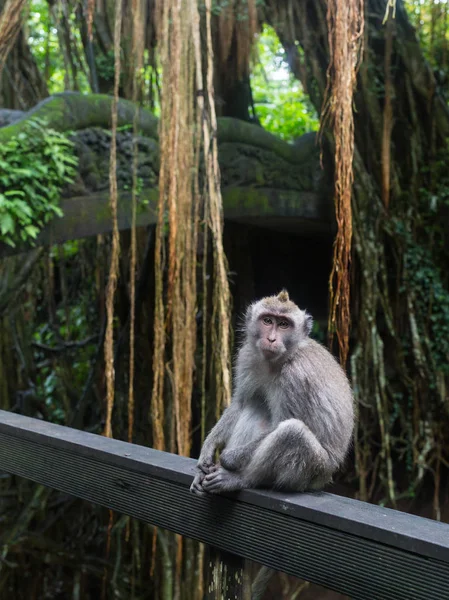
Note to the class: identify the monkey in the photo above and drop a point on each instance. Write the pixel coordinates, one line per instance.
(290, 421)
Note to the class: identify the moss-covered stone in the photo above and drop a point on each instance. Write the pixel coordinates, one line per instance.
(74, 111)
(261, 175)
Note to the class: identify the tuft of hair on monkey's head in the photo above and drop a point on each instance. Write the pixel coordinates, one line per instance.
(280, 302)
(283, 296)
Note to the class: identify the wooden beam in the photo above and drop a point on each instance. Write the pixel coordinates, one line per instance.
(362, 550)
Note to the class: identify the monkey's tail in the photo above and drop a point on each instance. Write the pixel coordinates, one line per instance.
(260, 583)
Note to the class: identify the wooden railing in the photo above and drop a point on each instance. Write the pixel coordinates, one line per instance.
(365, 551)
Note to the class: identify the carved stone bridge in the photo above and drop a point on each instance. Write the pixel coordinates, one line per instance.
(265, 180)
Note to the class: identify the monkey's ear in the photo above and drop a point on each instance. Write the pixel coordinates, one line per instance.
(308, 323)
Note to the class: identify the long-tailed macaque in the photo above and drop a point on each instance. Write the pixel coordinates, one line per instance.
(290, 421)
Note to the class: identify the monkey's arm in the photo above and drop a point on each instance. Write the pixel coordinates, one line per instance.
(216, 439)
(218, 436)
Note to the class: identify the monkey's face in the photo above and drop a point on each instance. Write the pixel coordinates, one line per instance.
(275, 335)
(277, 327)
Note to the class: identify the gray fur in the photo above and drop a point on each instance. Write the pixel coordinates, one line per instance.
(290, 421)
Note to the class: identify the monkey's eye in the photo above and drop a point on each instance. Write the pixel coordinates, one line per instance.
(284, 324)
(267, 321)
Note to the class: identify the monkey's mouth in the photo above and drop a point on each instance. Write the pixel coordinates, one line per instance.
(271, 351)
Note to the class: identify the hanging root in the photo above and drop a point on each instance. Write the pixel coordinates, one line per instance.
(113, 269)
(345, 24)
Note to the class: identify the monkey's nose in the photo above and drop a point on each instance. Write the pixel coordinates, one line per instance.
(271, 340)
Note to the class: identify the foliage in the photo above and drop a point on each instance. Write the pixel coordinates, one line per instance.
(425, 251)
(57, 39)
(423, 280)
(432, 302)
(105, 65)
(431, 20)
(52, 374)
(63, 68)
(281, 104)
(34, 166)
(44, 44)
(64, 327)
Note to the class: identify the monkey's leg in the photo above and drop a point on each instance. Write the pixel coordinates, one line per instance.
(237, 458)
(288, 458)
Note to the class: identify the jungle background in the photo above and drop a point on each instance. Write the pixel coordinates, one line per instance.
(120, 292)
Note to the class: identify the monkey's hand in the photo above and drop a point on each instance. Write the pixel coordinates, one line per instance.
(205, 465)
(203, 468)
(197, 484)
(220, 480)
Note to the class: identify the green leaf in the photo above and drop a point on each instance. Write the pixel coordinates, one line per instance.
(6, 223)
(32, 231)
(15, 193)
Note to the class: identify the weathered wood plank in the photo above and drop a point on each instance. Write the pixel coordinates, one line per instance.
(362, 550)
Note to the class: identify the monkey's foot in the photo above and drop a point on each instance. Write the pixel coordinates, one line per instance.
(221, 480)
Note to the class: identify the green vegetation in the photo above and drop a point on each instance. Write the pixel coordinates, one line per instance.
(62, 70)
(34, 166)
(281, 104)
(431, 20)
(425, 276)
(62, 371)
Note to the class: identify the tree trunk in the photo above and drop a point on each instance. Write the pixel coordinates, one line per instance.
(21, 84)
